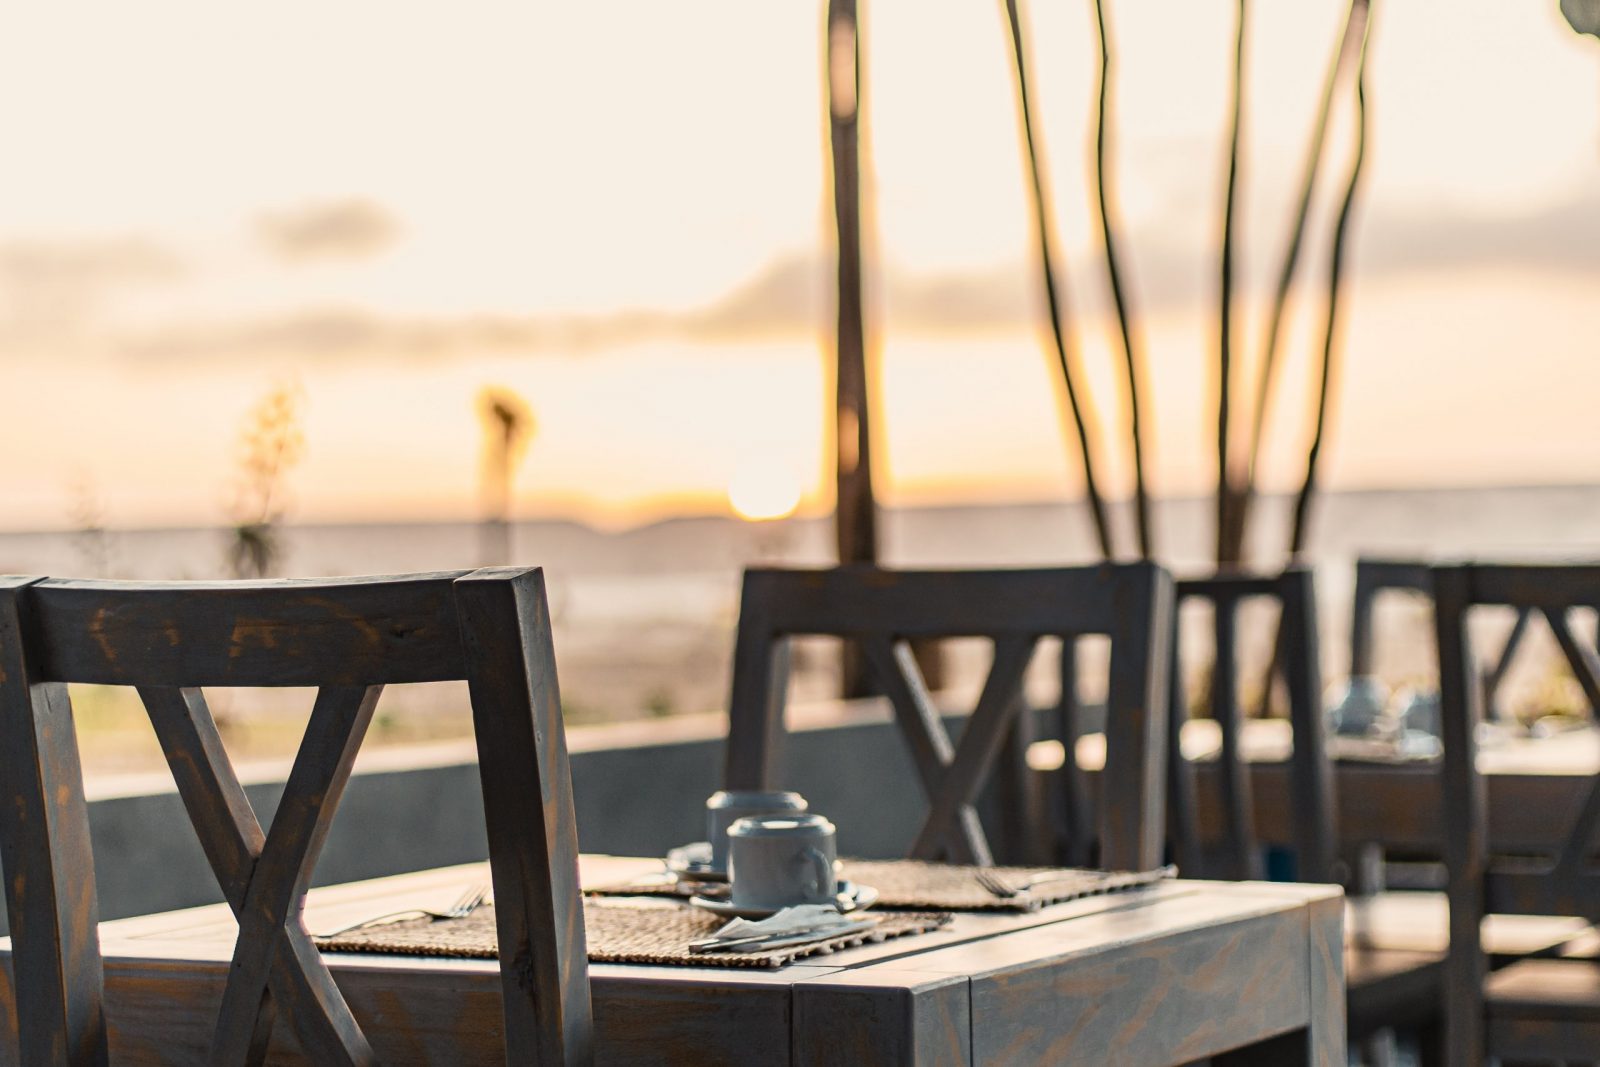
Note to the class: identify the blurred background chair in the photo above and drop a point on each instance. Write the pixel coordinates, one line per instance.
(348, 637)
(1238, 853)
(1537, 1009)
(1213, 824)
(882, 611)
(1377, 576)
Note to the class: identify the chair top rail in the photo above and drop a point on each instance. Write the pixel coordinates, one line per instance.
(1386, 573)
(1514, 887)
(1556, 586)
(854, 601)
(1234, 585)
(301, 632)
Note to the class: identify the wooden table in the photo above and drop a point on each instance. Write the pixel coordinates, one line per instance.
(1535, 787)
(1251, 973)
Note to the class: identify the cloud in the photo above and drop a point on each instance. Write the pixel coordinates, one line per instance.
(341, 229)
(789, 298)
(331, 333)
(1563, 237)
(50, 291)
(77, 264)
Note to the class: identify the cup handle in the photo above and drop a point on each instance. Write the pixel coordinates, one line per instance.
(823, 871)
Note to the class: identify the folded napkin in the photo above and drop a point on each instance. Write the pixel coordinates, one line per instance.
(790, 926)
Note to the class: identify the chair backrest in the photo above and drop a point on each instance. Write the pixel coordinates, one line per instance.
(1375, 576)
(883, 610)
(349, 637)
(1565, 882)
(1311, 796)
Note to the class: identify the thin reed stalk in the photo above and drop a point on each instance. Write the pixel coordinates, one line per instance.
(1341, 236)
(1054, 302)
(1354, 28)
(1119, 295)
(1225, 489)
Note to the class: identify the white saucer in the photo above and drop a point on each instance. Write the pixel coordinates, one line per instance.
(692, 863)
(852, 897)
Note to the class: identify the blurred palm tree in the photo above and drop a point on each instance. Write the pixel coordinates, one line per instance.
(1582, 15)
(91, 538)
(508, 428)
(271, 444)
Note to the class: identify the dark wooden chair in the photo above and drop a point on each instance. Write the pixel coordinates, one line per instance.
(1374, 577)
(349, 637)
(1377, 576)
(1310, 775)
(1535, 1009)
(1213, 828)
(883, 610)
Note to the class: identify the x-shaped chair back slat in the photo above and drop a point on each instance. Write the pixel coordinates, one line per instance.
(882, 611)
(1480, 883)
(349, 638)
(264, 876)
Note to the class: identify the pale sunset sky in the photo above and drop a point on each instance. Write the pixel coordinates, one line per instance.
(619, 211)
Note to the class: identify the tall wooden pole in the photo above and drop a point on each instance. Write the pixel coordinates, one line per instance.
(855, 510)
(1227, 493)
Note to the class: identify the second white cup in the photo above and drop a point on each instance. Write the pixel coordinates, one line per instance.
(776, 861)
(728, 806)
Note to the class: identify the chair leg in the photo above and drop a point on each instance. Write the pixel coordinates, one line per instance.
(1379, 1050)
(1430, 1045)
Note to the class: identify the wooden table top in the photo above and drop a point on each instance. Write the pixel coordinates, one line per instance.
(1169, 974)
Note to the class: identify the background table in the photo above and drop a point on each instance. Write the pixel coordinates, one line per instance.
(1167, 975)
(1535, 787)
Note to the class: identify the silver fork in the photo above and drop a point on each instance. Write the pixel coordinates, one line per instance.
(467, 903)
(1006, 890)
(1102, 883)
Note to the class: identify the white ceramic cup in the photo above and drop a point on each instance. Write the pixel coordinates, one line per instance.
(776, 861)
(728, 806)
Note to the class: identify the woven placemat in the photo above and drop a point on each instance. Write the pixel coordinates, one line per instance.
(617, 931)
(952, 887)
(919, 885)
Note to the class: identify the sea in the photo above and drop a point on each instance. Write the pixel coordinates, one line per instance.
(644, 617)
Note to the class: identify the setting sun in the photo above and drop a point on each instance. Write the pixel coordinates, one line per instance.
(764, 488)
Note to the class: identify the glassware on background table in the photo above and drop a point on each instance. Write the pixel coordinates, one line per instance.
(1358, 706)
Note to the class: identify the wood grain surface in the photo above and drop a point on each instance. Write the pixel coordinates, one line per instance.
(273, 989)
(1148, 978)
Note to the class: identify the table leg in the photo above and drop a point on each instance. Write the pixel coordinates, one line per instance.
(1325, 944)
(1321, 1043)
(894, 1018)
